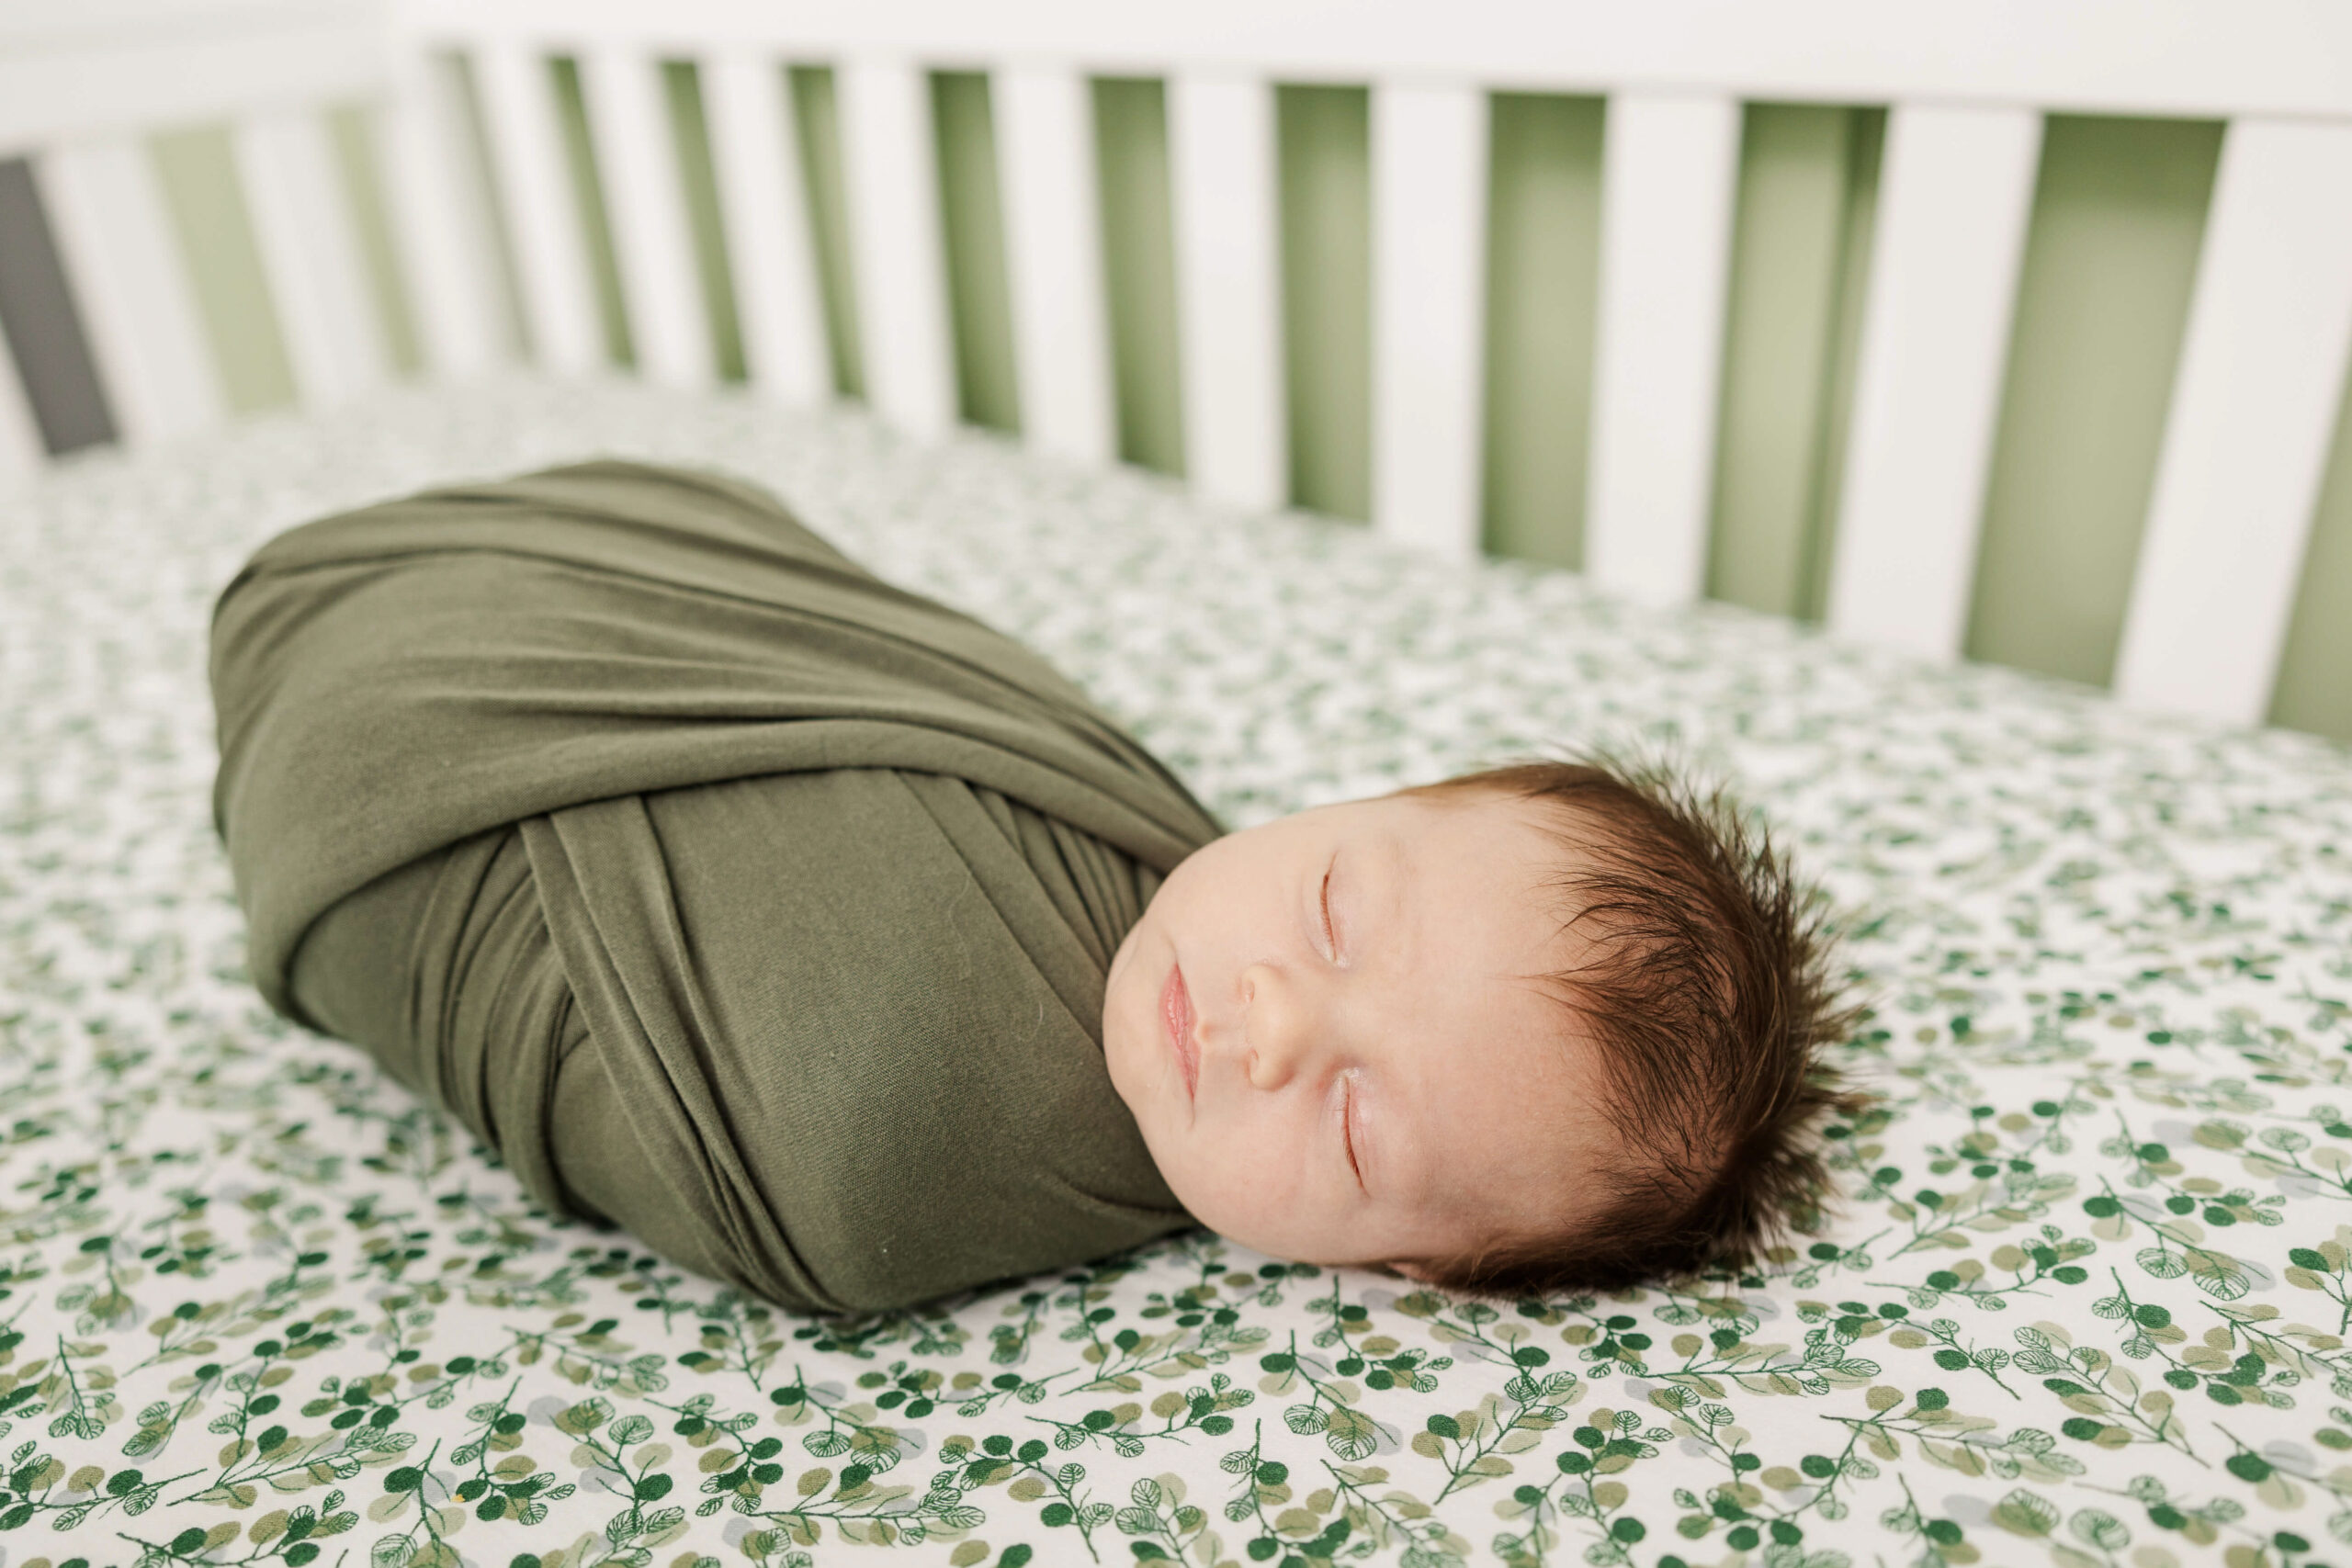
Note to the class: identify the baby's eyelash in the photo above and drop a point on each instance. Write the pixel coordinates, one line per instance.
(1329, 935)
(1348, 1131)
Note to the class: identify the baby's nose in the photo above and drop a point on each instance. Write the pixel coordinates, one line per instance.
(1278, 1026)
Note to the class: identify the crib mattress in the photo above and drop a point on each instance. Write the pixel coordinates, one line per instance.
(2085, 1301)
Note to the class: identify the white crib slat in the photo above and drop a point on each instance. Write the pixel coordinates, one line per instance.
(131, 283)
(629, 121)
(1955, 194)
(1428, 216)
(1669, 168)
(2253, 407)
(892, 192)
(302, 225)
(550, 248)
(1054, 245)
(766, 215)
(447, 253)
(1229, 299)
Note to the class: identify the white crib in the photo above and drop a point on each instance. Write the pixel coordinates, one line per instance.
(2252, 410)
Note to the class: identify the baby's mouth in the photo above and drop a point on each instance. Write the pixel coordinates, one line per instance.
(1176, 1012)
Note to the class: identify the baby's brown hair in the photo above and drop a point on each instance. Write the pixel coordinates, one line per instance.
(1707, 993)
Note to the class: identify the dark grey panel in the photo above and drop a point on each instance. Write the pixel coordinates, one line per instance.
(43, 329)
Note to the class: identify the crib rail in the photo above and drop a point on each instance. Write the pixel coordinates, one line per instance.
(79, 86)
(2251, 413)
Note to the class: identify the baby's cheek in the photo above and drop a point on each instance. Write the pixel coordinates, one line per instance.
(1208, 1197)
(1205, 879)
(1235, 1188)
(1119, 1058)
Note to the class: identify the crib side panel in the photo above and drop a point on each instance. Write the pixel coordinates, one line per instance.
(2180, 57)
(1228, 288)
(2247, 434)
(1668, 163)
(1429, 296)
(1952, 208)
(550, 247)
(442, 223)
(770, 250)
(635, 151)
(2253, 407)
(1053, 235)
(310, 254)
(99, 69)
(134, 287)
(56, 402)
(895, 246)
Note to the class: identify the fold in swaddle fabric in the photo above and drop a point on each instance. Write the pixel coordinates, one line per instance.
(728, 892)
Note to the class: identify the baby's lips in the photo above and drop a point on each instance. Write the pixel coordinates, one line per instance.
(1176, 1013)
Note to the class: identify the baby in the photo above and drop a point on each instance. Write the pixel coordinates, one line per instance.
(836, 946)
(1546, 1026)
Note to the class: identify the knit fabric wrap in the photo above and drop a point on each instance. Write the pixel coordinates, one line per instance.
(725, 891)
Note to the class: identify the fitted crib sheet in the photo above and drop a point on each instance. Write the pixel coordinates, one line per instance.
(2084, 1299)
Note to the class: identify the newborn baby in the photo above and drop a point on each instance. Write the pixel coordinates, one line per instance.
(835, 946)
(1548, 1026)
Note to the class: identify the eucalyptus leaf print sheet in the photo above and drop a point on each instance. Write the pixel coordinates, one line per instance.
(2083, 1299)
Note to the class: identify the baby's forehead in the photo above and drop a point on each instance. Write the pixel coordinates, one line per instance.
(1536, 856)
(1549, 831)
(1577, 825)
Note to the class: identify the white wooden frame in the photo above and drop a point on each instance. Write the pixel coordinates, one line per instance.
(1671, 164)
(1954, 192)
(2251, 413)
(2253, 408)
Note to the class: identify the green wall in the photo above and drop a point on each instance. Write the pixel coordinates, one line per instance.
(1808, 188)
(595, 222)
(359, 163)
(1542, 282)
(979, 290)
(817, 121)
(205, 202)
(1323, 164)
(2111, 257)
(698, 183)
(1139, 269)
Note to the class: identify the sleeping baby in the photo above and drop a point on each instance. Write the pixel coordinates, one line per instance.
(1549, 1026)
(837, 947)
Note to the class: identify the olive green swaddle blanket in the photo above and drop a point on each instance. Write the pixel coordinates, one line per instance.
(728, 892)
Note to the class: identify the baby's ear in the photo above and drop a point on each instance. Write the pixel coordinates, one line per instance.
(1417, 1273)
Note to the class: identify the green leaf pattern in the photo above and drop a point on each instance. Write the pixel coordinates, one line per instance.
(2082, 1298)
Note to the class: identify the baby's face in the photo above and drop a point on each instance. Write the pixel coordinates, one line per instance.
(1329, 1034)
